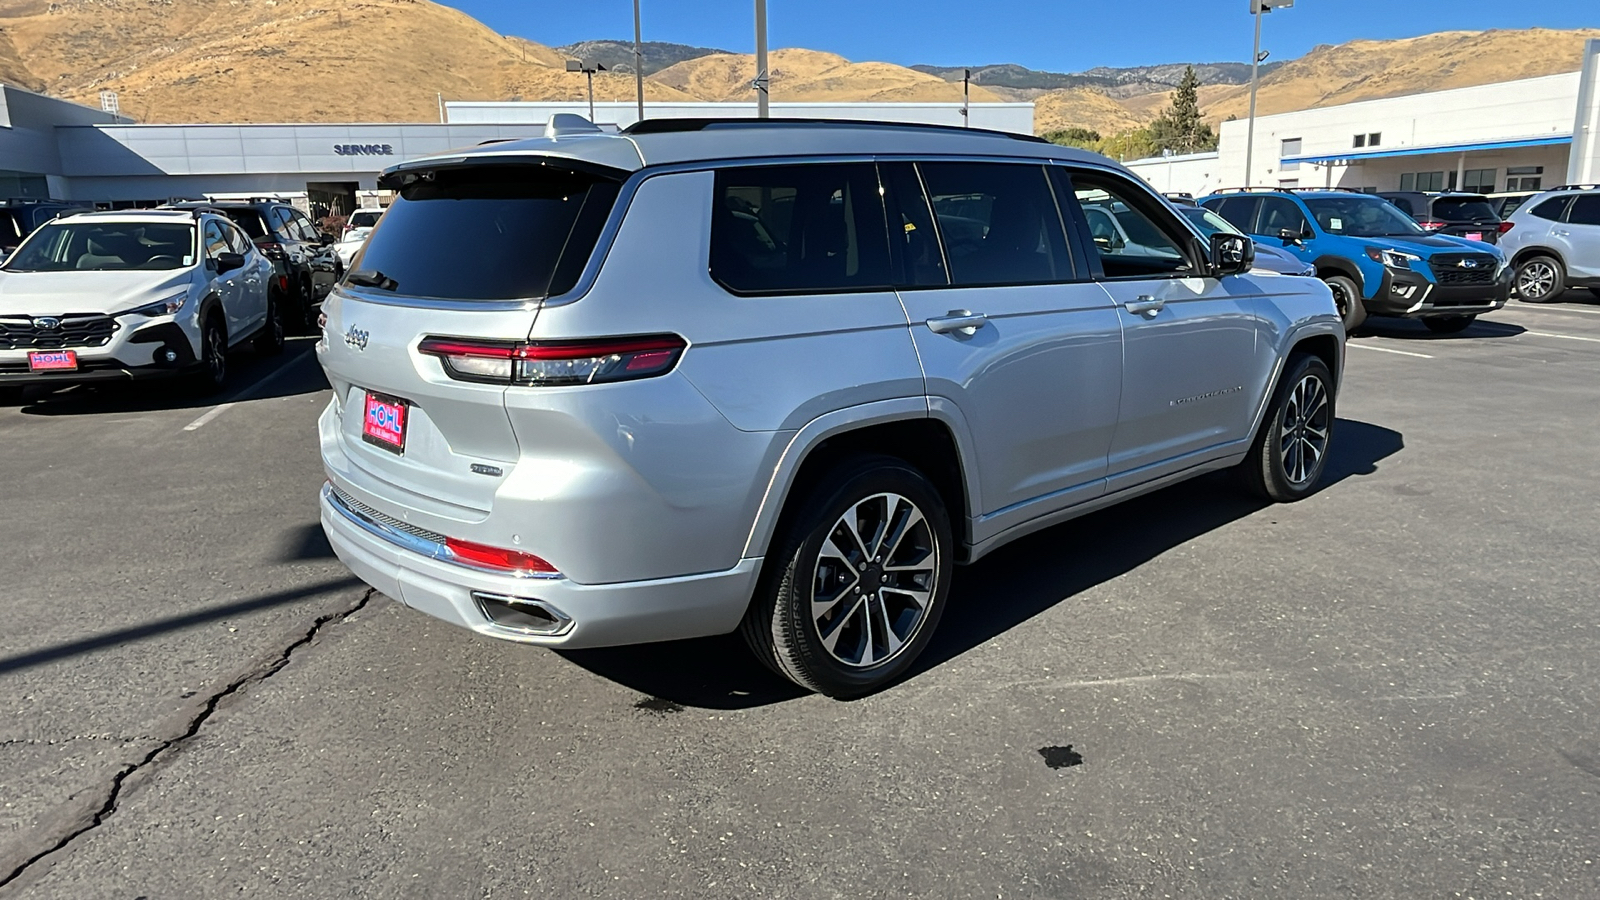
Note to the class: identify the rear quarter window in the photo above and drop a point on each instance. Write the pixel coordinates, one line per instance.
(1550, 209)
(489, 233)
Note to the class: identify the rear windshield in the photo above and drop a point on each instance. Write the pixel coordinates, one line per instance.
(1463, 209)
(249, 220)
(488, 233)
(363, 219)
(102, 246)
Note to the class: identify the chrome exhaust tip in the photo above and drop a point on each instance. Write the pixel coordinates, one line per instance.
(523, 615)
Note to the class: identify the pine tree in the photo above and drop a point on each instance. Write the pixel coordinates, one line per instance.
(1179, 127)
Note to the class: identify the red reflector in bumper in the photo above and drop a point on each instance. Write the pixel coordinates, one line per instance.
(512, 562)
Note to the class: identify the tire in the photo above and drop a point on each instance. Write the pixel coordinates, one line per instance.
(1540, 279)
(1276, 467)
(1596, 292)
(1448, 324)
(11, 396)
(1347, 299)
(863, 652)
(305, 321)
(212, 373)
(269, 342)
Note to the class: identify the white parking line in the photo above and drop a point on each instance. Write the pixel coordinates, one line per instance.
(244, 395)
(1535, 307)
(1565, 337)
(1388, 350)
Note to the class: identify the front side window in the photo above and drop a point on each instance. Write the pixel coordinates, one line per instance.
(999, 223)
(1358, 215)
(216, 243)
(798, 229)
(1125, 230)
(105, 246)
(1208, 222)
(1585, 210)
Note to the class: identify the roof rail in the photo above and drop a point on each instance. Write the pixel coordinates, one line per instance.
(1576, 187)
(675, 125)
(1292, 190)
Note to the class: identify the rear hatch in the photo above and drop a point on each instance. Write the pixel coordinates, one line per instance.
(465, 253)
(1471, 217)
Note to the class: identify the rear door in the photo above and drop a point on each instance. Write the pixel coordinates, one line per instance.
(1036, 372)
(467, 253)
(1192, 368)
(1580, 236)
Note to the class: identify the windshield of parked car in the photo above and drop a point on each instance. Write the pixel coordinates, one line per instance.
(360, 219)
(105, 246)
(1458, 209)
(1361, 216)
(249, 221)
(1207, 221)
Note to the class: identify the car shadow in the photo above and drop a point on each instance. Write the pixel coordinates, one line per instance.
(251, 376)
(1414, 330)
(1000, 591)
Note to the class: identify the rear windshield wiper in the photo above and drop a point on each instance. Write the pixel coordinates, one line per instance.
(372, 278)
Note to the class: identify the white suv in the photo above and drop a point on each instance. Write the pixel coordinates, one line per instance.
(1554, 243)
(133, 294)
(361, 223)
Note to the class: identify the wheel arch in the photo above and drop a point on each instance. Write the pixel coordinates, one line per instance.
(1318, 339)
(1527, 253)
(903, 429)
(211, 305)
(1338, 265)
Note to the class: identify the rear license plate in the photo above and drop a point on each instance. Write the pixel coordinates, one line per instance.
(1474, 235)
(383, 422)
(53, 360)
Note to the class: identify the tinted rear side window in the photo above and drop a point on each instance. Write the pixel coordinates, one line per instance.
(1585, 210)
(488, 233)
(1241, 211)
(999, 223)
(1550, 209)
(798, 229)
(249, 220)
(1459, 209)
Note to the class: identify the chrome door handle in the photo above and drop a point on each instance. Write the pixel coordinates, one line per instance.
(963, 320)
(1146, 305)
(1563, 233)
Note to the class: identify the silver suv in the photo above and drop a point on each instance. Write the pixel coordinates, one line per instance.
(780, 377)
(1553, 240)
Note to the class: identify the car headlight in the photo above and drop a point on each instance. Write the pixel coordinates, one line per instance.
(1394, 259)
(165, 307)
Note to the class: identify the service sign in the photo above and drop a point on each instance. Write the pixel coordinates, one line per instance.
(363, 149)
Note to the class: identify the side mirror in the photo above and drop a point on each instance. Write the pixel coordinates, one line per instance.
(1231, 254)
(227, 262)
(324, 238)
(1290, 237)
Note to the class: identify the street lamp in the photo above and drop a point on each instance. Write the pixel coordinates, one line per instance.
(1258, 8)
(638, 60)
(966, 98)
(588, 69)
(762, 81)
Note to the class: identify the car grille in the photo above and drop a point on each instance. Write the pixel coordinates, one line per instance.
(1448, 268)
(86, 330)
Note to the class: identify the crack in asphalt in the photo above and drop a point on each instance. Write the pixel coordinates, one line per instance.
(56, 742)
(255, 676)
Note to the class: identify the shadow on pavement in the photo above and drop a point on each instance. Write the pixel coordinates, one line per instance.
(305, 543)
(293, 373)
(1414, 330)
(999, 592)
(170, 624)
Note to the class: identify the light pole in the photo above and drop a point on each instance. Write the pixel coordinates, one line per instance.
(762, 81)
(638, 60)
(1258, 8)
(574, 65)
(966, 98)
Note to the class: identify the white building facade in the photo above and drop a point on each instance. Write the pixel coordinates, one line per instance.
(1531, 134)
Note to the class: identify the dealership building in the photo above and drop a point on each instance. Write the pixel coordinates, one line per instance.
(1517, 135)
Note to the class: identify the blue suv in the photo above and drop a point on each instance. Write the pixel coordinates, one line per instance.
(1375, 258)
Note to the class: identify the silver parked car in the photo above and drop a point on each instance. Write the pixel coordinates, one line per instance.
(1268, 257)
(687, 381)
(1554, 243)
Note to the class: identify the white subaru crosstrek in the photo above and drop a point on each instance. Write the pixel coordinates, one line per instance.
(117, 296)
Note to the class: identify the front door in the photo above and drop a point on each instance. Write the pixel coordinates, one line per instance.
(1192, 365)
(226, 285)
(1015, 342)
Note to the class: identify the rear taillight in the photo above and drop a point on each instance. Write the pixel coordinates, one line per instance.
(1506, 226)
(272, 249)
(554, 363)
(1432, 224)
(499, 559)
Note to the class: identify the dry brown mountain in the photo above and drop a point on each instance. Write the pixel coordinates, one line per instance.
(803, 76)
(388, 60)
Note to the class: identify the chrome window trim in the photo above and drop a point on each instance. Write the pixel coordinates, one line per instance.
(415, 543)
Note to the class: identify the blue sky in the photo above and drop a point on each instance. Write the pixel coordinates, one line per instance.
(1058, 35)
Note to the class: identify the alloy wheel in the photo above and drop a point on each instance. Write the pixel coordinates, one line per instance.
(1303, 435)
(216, 354)
(875, 578)
(1536, 279)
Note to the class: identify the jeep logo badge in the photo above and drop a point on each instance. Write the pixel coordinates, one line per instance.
(356, 338)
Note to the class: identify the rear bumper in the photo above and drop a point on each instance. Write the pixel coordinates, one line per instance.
(602, 615)
(1413, 295)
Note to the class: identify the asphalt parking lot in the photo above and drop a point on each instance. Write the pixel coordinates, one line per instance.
(1391, 689)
